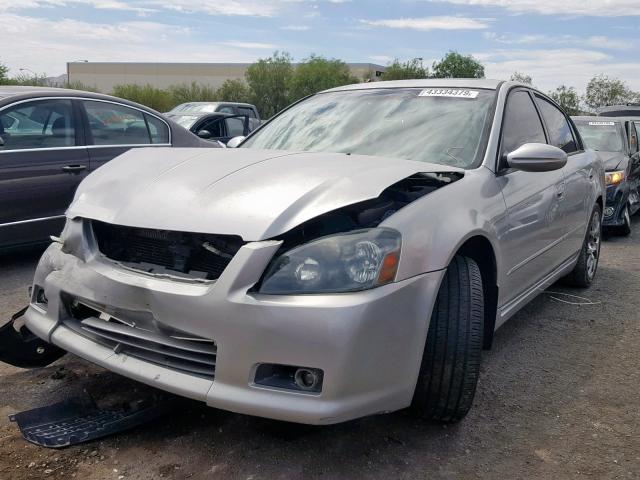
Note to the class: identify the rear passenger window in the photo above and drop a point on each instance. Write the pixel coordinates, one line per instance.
(558, 127)
(521, 123)
(38, 124)
(113, 124)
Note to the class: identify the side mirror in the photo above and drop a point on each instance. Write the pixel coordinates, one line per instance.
(235, 141)
(206, 134)
(537, 157)
(1, 141)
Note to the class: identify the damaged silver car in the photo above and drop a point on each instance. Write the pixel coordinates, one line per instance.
(352, 257)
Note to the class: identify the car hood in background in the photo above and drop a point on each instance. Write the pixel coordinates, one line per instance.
(611, 160)
(256, 194)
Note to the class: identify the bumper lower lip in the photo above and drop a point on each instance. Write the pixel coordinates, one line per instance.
(369, 344)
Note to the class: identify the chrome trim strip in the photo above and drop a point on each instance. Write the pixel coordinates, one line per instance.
(77, 147)
(21, 222)
(44, 149)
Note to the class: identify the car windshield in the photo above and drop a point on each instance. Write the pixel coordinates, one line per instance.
(185, 121)
(439, 125)
(195, 108)
(601, 135)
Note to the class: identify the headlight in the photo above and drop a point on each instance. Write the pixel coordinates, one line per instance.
(348, 262)
(614, 178)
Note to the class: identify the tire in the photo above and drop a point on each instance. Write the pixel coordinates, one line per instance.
(625, 229)
(585, 270)
(451, 360)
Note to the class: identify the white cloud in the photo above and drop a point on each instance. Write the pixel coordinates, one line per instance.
(250, 45)
(296, 28)
(431, 23)
(552, 67)
(604, 8)
(47, 45)
(596, 41)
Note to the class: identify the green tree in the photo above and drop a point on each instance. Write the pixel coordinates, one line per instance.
(193, 92)
(269, 80)
(410, 69)
(603, 91)
(455, 65)
(234, 90)
(4, 77)
(316, 73)
(148, 95)
(521, 77)
(567, 98)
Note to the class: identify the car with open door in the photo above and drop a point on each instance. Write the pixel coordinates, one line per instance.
(351, 257)
(216, 127)
(616, 141)
(51, 139)
(230, 108)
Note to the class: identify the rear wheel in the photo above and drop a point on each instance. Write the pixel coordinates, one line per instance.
(585, 270)
(451, 360)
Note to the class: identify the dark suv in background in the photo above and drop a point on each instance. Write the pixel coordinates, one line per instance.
(50, 139)
(616, 141)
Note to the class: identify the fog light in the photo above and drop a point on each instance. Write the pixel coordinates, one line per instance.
(608, 211)
(306, 379)
(289, 377)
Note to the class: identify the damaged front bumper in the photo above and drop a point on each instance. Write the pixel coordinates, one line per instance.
(368, 345)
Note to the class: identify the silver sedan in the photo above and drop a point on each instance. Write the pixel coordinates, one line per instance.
(353, 256)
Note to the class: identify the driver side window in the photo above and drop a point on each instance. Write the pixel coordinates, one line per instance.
(521, 123)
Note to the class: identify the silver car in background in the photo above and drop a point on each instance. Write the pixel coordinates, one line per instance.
(352, 257)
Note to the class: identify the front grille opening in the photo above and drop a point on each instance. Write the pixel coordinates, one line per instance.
(148, 341)
(186, 255)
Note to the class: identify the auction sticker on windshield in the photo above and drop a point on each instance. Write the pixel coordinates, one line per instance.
(602, 123)
(448, 92)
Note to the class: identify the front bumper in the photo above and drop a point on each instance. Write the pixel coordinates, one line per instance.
(368, 344)
(617, 197)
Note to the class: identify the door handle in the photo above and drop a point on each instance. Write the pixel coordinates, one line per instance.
(74, 168)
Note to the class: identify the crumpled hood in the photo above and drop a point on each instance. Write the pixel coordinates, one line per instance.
(256, 194)
(611, 160)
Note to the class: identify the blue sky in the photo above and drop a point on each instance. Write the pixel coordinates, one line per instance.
(554, 41)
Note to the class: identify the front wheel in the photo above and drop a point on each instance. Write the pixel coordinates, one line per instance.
(451, 360)
(625, 228)
(585, 270)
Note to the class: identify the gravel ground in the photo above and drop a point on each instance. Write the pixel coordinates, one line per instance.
(558, 398)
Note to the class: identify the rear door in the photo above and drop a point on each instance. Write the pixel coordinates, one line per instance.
(42, 161)
(531, 245)
(114, 128)
(579, 175)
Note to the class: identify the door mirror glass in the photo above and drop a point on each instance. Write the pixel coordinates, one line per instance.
(235, 141)
(537, 157)
(206, 134)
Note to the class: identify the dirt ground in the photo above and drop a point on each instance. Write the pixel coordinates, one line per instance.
(558, 398)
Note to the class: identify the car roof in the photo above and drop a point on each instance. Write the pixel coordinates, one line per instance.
(426, 83)
(240, 104)
(9, 94)
(594, 118)
(199, 114)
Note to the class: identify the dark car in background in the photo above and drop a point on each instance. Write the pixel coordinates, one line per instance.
(231, 108)
(220, 127)
(616, 141)
(625, 110)
(51, 139)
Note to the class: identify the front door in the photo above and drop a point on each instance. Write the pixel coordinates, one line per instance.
(42, 161)
(531, 243)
